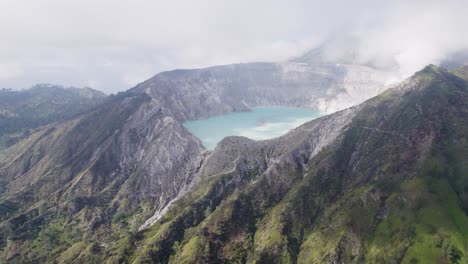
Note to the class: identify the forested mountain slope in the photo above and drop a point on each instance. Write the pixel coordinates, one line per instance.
(23, 110)
(384, 181)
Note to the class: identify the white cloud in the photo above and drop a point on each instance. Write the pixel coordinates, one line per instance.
(9, 70)
(270, 129)
(114, 43)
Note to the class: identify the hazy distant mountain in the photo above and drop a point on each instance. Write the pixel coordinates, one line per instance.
(22, 110)
(347, 49)
(455, 60)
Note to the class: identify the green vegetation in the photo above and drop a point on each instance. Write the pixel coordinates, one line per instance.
(392, 188)
(22, 111)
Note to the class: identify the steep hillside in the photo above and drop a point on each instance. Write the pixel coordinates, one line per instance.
(119, 166)
(21, 111)
(391, 171)
(97, 186)
(122, 159)
(391, 187)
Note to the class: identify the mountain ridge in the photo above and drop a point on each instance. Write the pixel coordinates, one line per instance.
(216, 240)
(21, 111)
(113, 169)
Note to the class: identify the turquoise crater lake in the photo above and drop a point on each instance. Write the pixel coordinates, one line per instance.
(260, 123)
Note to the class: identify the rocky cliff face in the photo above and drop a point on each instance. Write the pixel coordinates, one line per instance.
(123, 158)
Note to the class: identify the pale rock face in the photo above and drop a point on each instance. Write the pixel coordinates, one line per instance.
(166, 155)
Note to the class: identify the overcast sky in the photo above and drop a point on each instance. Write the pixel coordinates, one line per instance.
(112, 45)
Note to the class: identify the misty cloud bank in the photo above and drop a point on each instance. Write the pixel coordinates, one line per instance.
(112, 45)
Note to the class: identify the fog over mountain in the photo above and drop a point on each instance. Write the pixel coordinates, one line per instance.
(112, 46)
